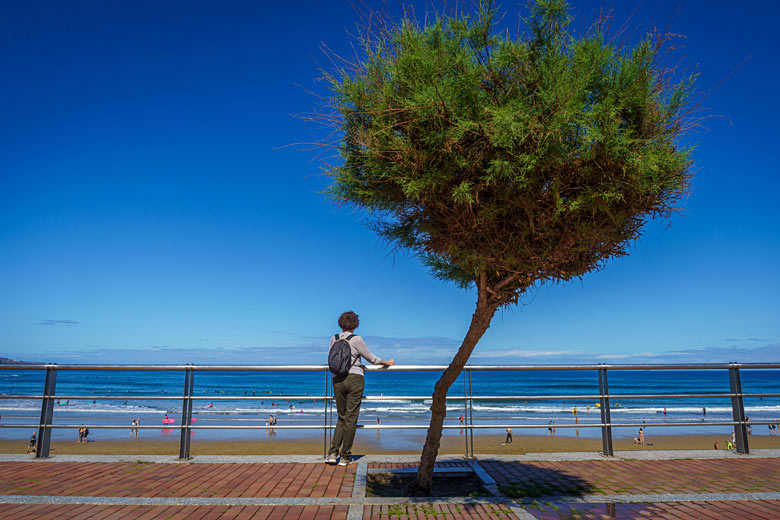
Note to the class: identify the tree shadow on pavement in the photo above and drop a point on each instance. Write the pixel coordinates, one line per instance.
(519, 480)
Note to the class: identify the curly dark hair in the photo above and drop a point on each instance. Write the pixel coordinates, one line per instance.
(348, 321)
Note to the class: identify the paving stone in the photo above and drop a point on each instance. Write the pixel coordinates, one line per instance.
(636, 477)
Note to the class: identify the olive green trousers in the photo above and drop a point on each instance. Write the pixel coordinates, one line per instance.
(348, 392)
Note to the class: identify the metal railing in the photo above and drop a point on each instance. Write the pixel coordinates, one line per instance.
(45, 426)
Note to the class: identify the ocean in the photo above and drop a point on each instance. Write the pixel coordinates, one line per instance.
(274, 389)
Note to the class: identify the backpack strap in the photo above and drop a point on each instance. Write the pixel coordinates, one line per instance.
(357, 358)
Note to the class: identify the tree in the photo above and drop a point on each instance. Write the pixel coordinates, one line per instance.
(505, 162)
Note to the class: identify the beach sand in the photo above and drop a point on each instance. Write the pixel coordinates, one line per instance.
(367, 444)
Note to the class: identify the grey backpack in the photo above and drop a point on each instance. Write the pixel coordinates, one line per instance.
(340, 356)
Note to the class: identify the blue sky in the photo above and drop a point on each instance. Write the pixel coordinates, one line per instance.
(152, 210)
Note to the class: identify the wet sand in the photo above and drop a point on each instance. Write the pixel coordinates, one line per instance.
(367, 444)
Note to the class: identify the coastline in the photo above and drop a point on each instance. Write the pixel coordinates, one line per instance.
(488, 444)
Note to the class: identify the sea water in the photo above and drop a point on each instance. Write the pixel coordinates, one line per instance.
(404, 403)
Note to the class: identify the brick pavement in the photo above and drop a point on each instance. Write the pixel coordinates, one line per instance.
(713, 510)
(613, 477)
(315, 491)
(175, 480)
(141, 512)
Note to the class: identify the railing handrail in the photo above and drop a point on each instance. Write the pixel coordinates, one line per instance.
(401, 368)
(604, 396)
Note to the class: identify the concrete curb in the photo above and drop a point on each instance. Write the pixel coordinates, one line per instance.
(358, 503)
(527, 457)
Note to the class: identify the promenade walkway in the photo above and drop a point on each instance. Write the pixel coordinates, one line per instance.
(646, 485)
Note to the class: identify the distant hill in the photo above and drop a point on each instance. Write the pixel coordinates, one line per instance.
(6, 361)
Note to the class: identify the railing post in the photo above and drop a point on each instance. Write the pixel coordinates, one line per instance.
(325, 414)
(186, 414)
(465, 412)
(47, 413)
(738, 410)
(471, 414)
(606, 420)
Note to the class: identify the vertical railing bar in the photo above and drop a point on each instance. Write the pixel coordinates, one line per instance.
(325, 419)
(738, 410)
(606, 420)
(331, 392)
(465, 413)
(47, 414)
(471, 413)
(184, 427)
(189, 412)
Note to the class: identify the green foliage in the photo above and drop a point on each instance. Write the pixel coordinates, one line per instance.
(515, 159)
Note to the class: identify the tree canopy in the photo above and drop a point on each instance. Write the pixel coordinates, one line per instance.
(507, 161)
(522, 159)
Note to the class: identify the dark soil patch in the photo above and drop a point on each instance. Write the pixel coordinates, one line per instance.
(393, 485)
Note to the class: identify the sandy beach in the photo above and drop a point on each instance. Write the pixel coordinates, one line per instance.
(483, 444)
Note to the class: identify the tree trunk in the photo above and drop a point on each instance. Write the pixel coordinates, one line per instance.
(480, 321)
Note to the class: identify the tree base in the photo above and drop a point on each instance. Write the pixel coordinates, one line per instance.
(414, 489)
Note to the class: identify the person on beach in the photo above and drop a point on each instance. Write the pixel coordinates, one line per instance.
(33, 442)
(348, 389)
(549, 428)
(81, 435)
(716, 445)
(86, 432)
(508, 436)
(641, 436)
(132, 429)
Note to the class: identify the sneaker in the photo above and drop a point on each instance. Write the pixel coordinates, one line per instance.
(331, 459)
(345, 461)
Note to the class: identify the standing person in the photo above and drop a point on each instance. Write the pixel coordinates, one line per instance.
(132, 429)
(508, 436)
(348, 388)
(641, 436)
(81, 435)
(33, 442)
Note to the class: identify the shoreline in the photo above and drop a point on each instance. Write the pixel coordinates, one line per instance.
(365, 444)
